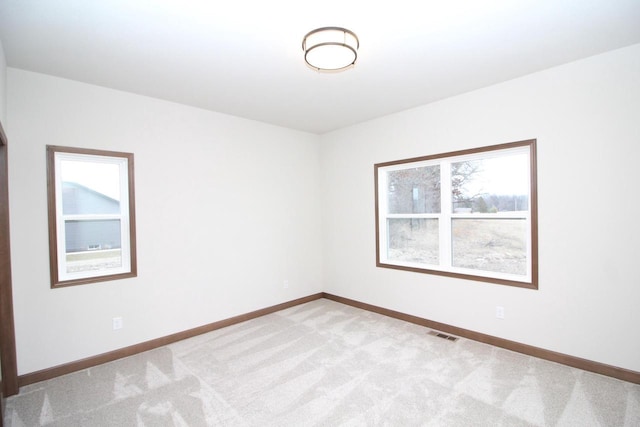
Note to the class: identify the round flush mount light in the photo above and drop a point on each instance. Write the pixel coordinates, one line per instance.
(330, 49)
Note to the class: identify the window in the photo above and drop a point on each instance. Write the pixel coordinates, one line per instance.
(91, 215)
(469, 214)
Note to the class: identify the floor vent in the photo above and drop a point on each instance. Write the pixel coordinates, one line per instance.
(443, 336)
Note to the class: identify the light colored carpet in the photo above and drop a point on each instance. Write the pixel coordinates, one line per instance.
(327, 364)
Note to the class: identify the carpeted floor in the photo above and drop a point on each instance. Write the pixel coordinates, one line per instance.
(327, 364)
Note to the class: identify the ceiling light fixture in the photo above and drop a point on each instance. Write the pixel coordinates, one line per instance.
(330, 48)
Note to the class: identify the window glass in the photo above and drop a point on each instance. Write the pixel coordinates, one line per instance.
(93, 245)
(498, 245)
(415, 190)
(414, 240)
(490, 185)
(90, 187)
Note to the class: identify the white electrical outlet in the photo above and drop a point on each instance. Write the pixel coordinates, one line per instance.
(117, 323)
(285, 284)
(499, 312)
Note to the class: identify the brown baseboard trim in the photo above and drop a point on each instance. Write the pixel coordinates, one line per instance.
(89, 362)
(576, 362)
(565, 359)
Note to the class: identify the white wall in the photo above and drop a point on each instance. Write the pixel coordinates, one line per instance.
(227, 209)
(586, 118)
(3, 85)
(239, 201)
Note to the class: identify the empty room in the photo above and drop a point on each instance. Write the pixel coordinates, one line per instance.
(347, 213)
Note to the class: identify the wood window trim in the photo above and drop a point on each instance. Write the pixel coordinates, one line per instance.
(52, 216)
(533, 282)
(8, 358)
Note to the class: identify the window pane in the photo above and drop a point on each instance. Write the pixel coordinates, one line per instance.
(413, 240)
(415, 190)
(90, 187)
(491, 185)
(498, 245)
(93, 245)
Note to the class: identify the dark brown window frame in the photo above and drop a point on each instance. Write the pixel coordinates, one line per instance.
(56, 282)
(533, 283)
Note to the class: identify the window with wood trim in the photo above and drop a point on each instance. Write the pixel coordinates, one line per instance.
(91, 215)
(469, 214)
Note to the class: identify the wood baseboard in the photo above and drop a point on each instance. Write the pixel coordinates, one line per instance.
(565, 359)
(89, 362)
(576, 362)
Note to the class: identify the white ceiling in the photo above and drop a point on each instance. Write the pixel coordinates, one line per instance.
(245, 58)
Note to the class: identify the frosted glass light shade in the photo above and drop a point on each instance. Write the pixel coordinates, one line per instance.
(330, 49)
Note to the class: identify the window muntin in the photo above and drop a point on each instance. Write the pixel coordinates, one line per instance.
(469, 214)
(91, 215)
